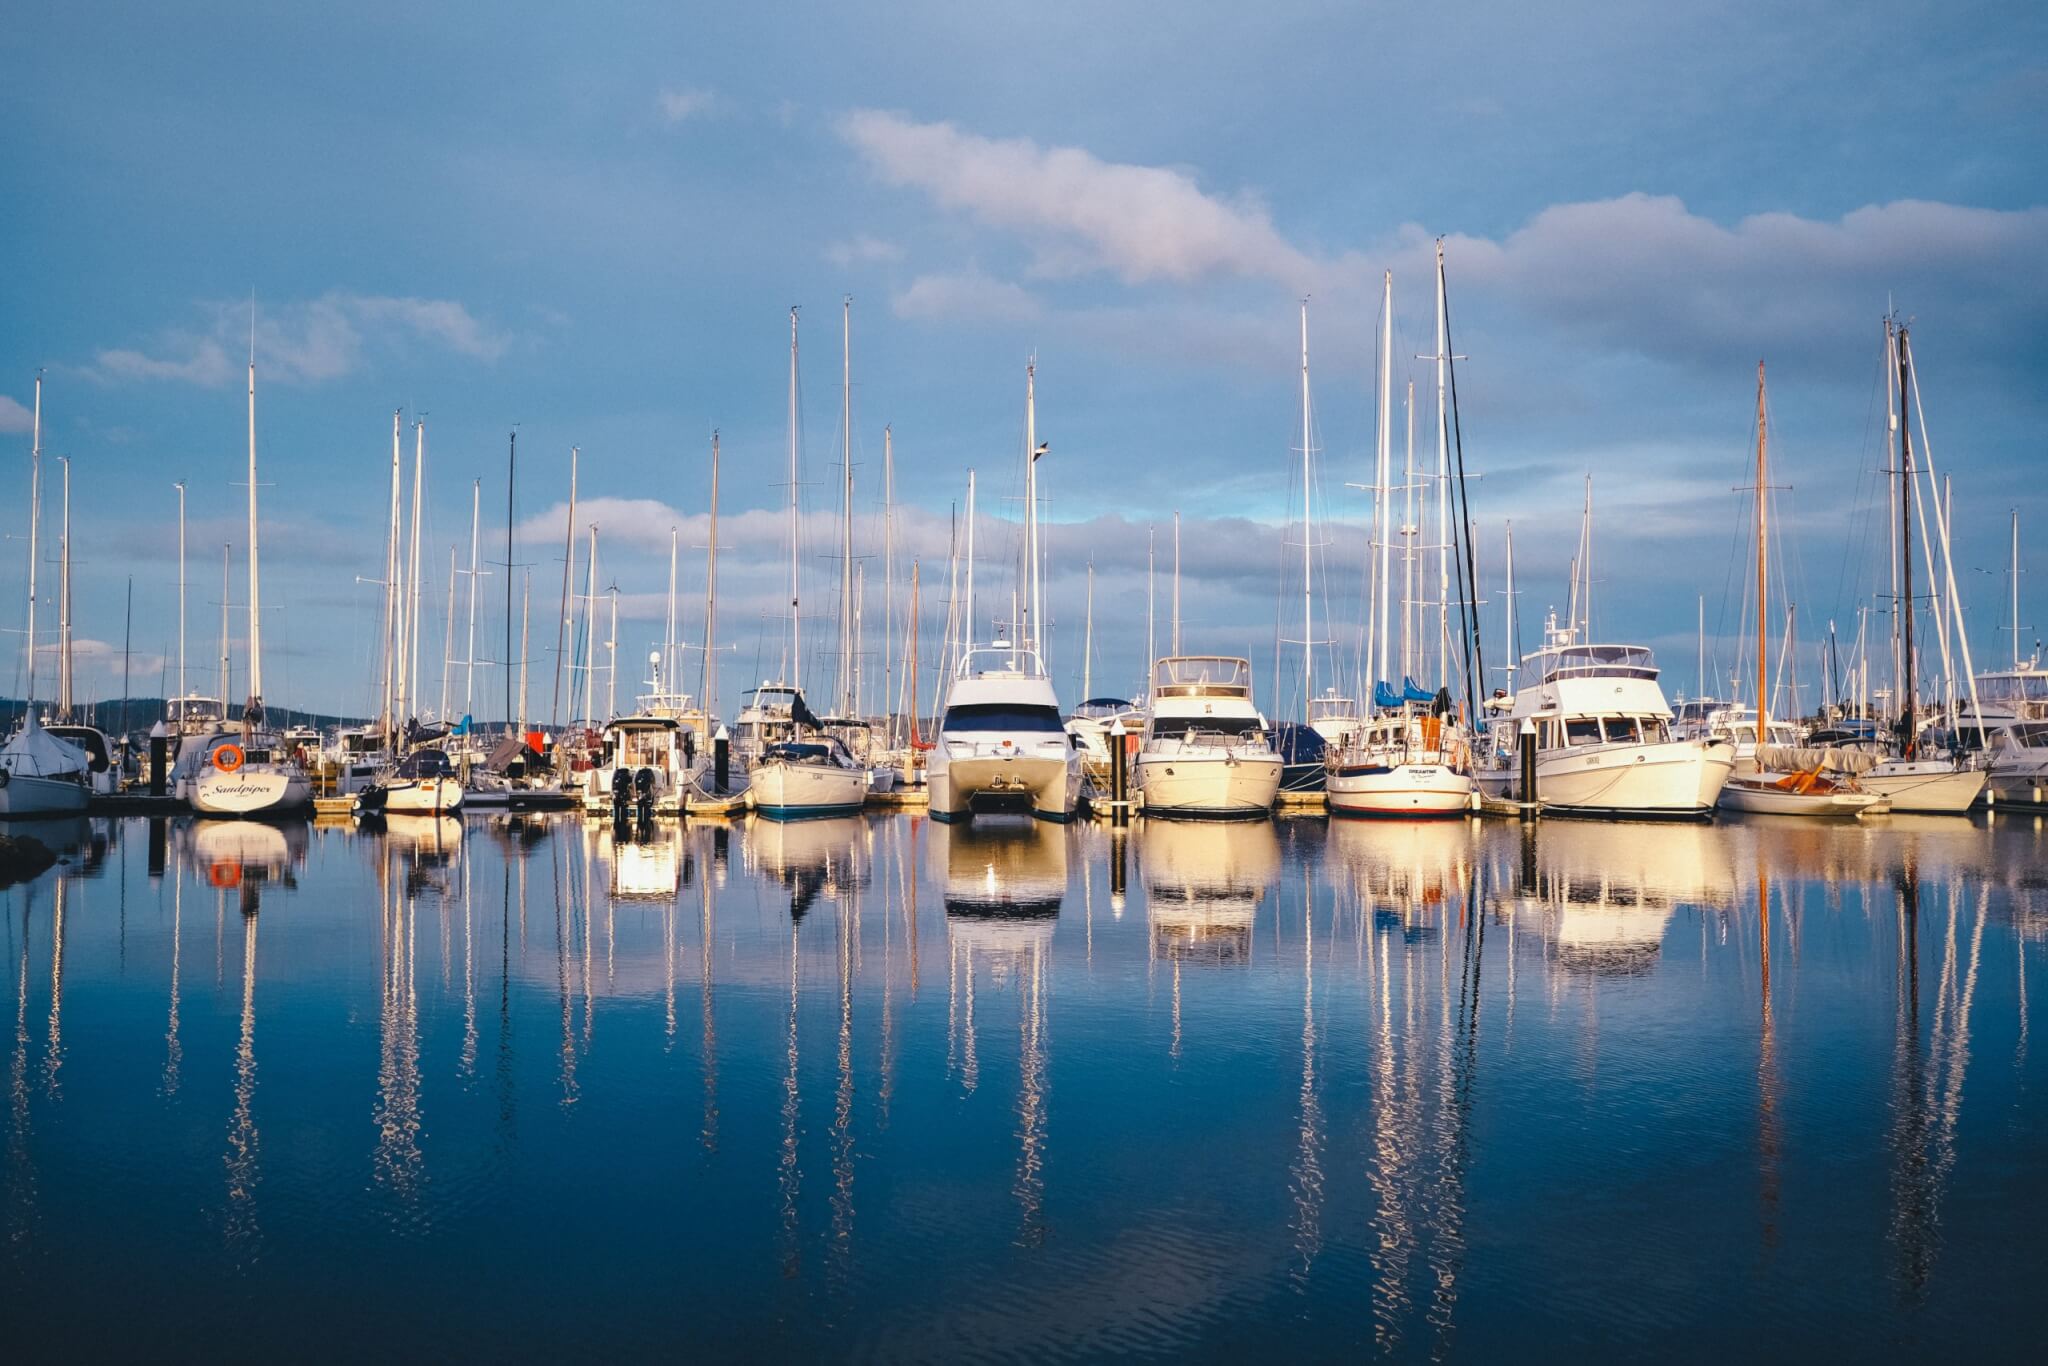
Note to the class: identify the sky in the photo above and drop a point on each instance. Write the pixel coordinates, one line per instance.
(591, 225)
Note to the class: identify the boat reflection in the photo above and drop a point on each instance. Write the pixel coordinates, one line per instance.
(1002, 867)
(810, 858)
(1203, 887)
(1401, 874)
(648, 862)
(243, 857)
(1603, 904)
(244, 1151)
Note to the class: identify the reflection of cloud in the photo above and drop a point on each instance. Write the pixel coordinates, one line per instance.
(304, 343)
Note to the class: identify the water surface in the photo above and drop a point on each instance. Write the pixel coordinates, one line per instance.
(876, 1088)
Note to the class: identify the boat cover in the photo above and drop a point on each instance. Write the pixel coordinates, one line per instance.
(35, 753)
(1800, 758)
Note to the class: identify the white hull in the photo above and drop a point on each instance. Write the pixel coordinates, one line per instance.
(1677, 778)
(1400, 790)
(27, 796)
(1216, 785)
(422, 797)
(248, 791)
(1934, 787)
(1761, 796)
(1050, 787)
(786, 791)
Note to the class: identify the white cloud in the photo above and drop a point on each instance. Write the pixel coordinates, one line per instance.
(863, 250)
(967, 294)
(14, 417)
(678, 105)
(307, 343)
(1142, 223)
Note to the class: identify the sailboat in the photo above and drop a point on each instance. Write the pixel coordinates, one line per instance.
(245, 771)
(40, 775)
(1408, 756)
(1795, 783)
(799, 769)
(1002, 744)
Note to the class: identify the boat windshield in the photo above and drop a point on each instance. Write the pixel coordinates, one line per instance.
(1002, 716)
(1103, 708)
(1202, 675)
(2013, 689)
(1586, 661)
(1200, 726)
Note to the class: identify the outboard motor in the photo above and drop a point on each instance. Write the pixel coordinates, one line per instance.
(643, 787)
(622, 790)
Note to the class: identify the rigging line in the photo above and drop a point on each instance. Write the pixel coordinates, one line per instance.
(1475, 662)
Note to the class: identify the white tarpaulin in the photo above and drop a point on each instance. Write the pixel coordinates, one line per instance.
(35, 753)
(1800, 759)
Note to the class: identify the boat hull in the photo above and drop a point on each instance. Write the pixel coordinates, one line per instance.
(1761, 796)
(1931, 787)
(956, 788)
(784, 792)
(1219, 787)
(1680, 780)
(416, 797)
(27, 796)
(249, 791)
(1398, 790)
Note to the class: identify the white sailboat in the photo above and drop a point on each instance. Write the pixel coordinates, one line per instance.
(247, 771)
(1784, 783)
(798, 769)
(1001, 742)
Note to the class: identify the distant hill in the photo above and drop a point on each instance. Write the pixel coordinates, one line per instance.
(144, 712)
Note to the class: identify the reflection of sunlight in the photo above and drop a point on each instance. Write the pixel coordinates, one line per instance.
(243, 1236)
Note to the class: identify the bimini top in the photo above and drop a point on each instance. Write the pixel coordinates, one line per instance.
(425, 763)
(1202, 676)
(1585, 661)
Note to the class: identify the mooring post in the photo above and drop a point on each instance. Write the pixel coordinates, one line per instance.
(1119, 774)
(1527, 741)
(721, 759)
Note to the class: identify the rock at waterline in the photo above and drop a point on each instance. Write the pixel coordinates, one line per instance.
(22, 858)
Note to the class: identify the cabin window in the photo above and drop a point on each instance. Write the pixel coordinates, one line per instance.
(1583, 730)
(1003, 716)
(1171, 726)
(1621, 730)
(1656, 731)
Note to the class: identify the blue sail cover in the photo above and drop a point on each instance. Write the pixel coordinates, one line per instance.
(1386, 696)
(1415, 692)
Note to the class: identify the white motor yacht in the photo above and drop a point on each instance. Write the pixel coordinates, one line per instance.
(1001, 744)
(2010, 728)
(644, 764)
(1734, 723)
(1090, 726)
(41, 775)
(1604, 745)
(1206, 750)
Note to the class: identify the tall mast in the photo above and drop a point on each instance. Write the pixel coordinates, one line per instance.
(181, 588)
(225, 550)
(525, 609)
(412, 572)
(448, 637)
(1410, 528)
(476, 507)
(912, 671)
(2015, 577)
(590, 631)
(1443, 475)
(796, 630)
(255, 703)
(1763, 633)
(1891, 488)
(1909, 693)
(1151, 598)
(1176, 581)
(1034, 636)
(611, 674)
(708, 688)
(967, 632)
(1088, 647)
(390, 593)
(889, 587)
(1308, 634)
(1381, 510)
(668, 640)
(568, 573)
(846, 690)
(1514, 644)
(64, 599)
(511, 478)
(35, 508)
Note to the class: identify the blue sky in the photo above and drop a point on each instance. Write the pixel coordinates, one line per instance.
(592, 223)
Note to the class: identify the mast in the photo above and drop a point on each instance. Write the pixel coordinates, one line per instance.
(182, 689)
(1034, 635)
(64, 599)
(511, 477)
(1511, 625)
(412, 573)
(255, 702)
(1176, 581)
(889, 588)
(611, 673)
(35, 508)
(1891, 489)
(912, 672)
(846, 689)
(568, 572)
(590, 632)
(796, 630)
(1088, 648)
(390, 595)
(525, 608)
(448, 637)
(1380, 499)
(707, 688)
(1308, 634)
(2015, 577)
(668, 642)
(1908, 690)
(225, 550)
(1443, 475)
(476, 505)
(967, 632)
(1151, 598)
(1763, 635)
(1411, 527)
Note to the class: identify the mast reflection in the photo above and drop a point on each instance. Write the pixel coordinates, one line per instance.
(244, 1237)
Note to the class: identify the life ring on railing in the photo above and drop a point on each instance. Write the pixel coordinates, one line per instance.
(228, 758)
(224, 876)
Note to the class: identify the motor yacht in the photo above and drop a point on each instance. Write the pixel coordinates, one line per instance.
(1001, 743)
(1206, 750)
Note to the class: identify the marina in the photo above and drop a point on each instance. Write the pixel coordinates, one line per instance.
(882, 1086)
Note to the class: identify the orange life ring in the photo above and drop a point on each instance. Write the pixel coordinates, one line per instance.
(228, 758)
(224, 876)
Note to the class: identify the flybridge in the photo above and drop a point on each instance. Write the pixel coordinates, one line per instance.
(1586, 661)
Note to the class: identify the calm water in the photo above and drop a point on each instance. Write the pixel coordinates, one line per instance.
(875, 1088)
